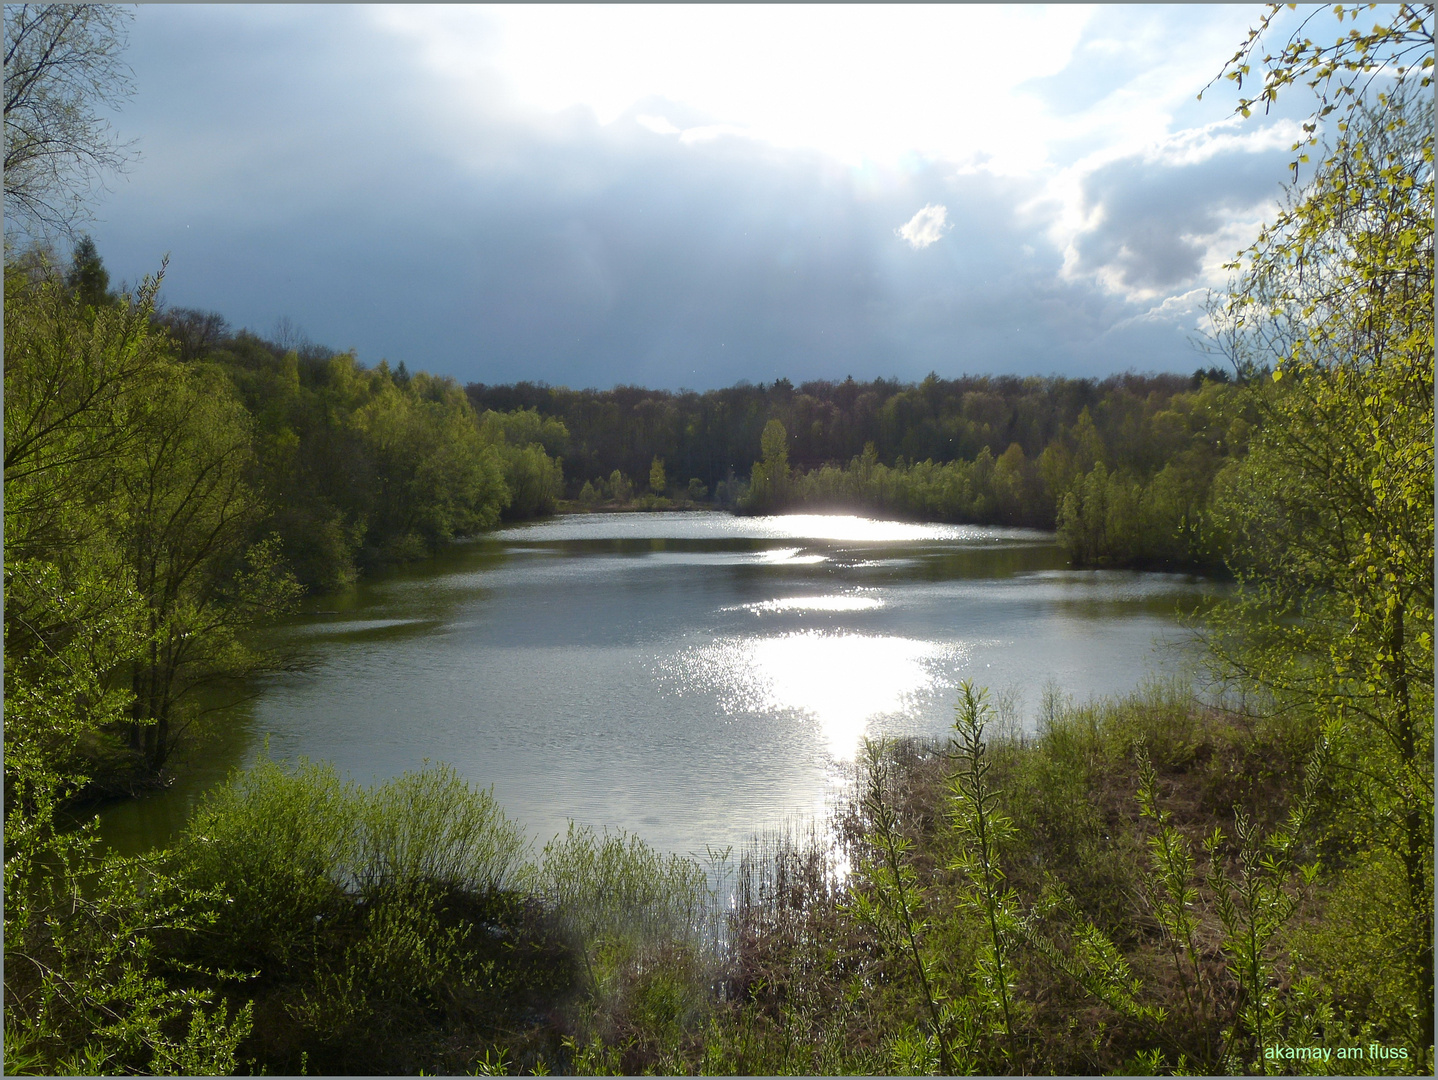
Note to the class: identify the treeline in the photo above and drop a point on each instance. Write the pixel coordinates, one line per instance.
(366, 467)
(170, 485)
(1123, 467)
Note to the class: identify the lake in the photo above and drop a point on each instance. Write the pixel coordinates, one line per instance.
(693, 677)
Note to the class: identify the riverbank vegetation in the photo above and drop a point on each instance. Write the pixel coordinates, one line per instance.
(1153, 885)
(1146, 885)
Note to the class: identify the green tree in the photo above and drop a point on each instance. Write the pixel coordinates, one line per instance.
(131, 524)
(85, 982)
(1332, 510)
(186, 516)
(1340, 73)
(73, 616)
(620, 489)
(769, 483)
(657, 482)
(88, 278)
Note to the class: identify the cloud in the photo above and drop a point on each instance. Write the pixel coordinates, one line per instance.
(400, 193)
(1168, 218)
(658, 124)
(926, 227)
(1185, 311)
(857, 82)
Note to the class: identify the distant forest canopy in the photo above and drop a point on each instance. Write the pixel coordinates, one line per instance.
(1123, 466)
(714, 434)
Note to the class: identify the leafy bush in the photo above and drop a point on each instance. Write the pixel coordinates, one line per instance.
(432, 828)
(281, 844)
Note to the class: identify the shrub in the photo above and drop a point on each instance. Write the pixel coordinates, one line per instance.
(431, 827)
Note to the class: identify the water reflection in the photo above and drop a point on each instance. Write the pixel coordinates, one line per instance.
(710, 527)
(814, 603)
(841, 682)
(793, 556)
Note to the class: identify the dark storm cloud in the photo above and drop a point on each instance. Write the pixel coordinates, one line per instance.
(1155, 216)
(300, 163)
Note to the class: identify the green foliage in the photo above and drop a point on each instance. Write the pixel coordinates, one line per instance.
(983, 829)
(893, 904)
(1361, 950)
(65, 640)
(90, 985)
(1332, 512)
(1333, 508)
(769, 481)
(431, 827)
(134, 568)
(619, 487)
(1171, 896)
(622, 900)
(280, 843)
(526, 441)
(364, 467)
(187, 516)
(377, 929)
(1340, 72)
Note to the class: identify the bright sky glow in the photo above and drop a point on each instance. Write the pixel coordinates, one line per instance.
(876, 87)
(860, 83)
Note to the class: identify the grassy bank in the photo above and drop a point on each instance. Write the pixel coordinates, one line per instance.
(1140, 885)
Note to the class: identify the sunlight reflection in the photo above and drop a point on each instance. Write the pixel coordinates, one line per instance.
(720, 526)
(815, 603)
(843, 527)
(842, 681)
(789, 556)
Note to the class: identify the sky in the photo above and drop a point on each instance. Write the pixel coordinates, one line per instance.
(686, 197)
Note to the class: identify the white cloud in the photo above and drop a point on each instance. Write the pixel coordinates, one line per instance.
(706, 132)
(858, 82)
(1185, 311)
(657, 124)
(926, 227)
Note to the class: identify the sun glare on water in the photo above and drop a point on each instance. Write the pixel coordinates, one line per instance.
(843, 682)
(815, 603)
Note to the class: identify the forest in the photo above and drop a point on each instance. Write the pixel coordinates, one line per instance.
(1159, 884)
(1139, 454)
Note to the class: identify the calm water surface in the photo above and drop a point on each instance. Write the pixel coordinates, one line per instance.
(691, 677)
